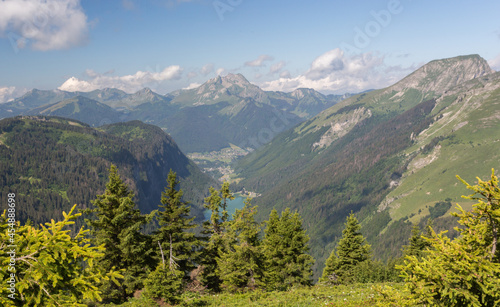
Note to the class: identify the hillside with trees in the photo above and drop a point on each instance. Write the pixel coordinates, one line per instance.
(54, 163)
(389, 156)
(239, 260)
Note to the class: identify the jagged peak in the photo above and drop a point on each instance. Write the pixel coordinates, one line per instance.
(145, 90)
(235, 78)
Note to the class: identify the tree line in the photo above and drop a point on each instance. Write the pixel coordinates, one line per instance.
(111, 258)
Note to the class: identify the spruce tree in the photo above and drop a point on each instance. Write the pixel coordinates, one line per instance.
(51, 266)
(351, 251)
(240, 263)
(175, 227)
(214, 231)
(285, 248)
(464, 271)
(117, 224)
(417, 243)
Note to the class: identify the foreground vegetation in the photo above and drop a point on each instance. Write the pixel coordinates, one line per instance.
(319, 295)
(233, 264)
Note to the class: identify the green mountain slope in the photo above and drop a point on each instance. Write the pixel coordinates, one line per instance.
(82, 109)
(52, 163)
(367, 154)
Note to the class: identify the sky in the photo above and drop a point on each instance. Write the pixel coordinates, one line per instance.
(332, 46)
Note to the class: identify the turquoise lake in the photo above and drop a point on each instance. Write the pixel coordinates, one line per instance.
(232, 205)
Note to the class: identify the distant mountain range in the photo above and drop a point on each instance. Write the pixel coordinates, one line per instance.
(388, 156)
(223, 111)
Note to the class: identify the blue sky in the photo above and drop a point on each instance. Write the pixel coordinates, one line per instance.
(332, 46)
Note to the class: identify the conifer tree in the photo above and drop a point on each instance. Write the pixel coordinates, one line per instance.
(285, 248)
(117, 224)
(351, 251)
(417, 243)
(175, 225)
(240, 263)
(47, 266)
(464, 271)
(214, 230)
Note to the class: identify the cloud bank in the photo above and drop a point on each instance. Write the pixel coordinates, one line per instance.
(9, 93)
(336, 72)
(127, 83)
(43, 24)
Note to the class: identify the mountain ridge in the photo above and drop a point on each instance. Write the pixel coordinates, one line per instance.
(217, 103)
(371, 144)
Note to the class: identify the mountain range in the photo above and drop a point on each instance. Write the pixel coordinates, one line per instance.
(222, 111)
(390, 156)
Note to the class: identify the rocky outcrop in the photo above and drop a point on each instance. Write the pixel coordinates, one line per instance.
(441, 75)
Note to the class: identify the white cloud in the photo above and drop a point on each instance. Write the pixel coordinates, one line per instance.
(326, 63)
(9, 93)
(276, 67)
(285, 74)
(495, 63)
(205, 70)
(336, 72)
(220, 71)
(43, 24)
(127, 83)
(259, 62)
(192, 85)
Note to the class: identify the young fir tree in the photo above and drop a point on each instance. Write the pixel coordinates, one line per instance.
(214, 231)
(175, 225)
(285, 248)
(51, 267)
(417, 243)
(464, 271)
(240, 263)
(117, 224)
(351, 251)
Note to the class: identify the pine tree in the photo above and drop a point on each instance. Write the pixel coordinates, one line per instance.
(214, 231)
(240, 263)
(175, 225)
(351, 251)
(285, 248)
(117, 225)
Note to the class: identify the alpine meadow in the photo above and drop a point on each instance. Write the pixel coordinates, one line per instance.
(249, 153)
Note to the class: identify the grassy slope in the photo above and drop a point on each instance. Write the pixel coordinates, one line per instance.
(470, 146)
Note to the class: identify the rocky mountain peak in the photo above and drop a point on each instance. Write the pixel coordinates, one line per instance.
(439, 76)
(302, 92)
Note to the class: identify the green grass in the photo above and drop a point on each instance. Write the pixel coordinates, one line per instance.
(318, 295)
(470, 148)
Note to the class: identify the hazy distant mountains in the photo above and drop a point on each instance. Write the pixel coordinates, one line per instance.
(224, 110)
(388, 155)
